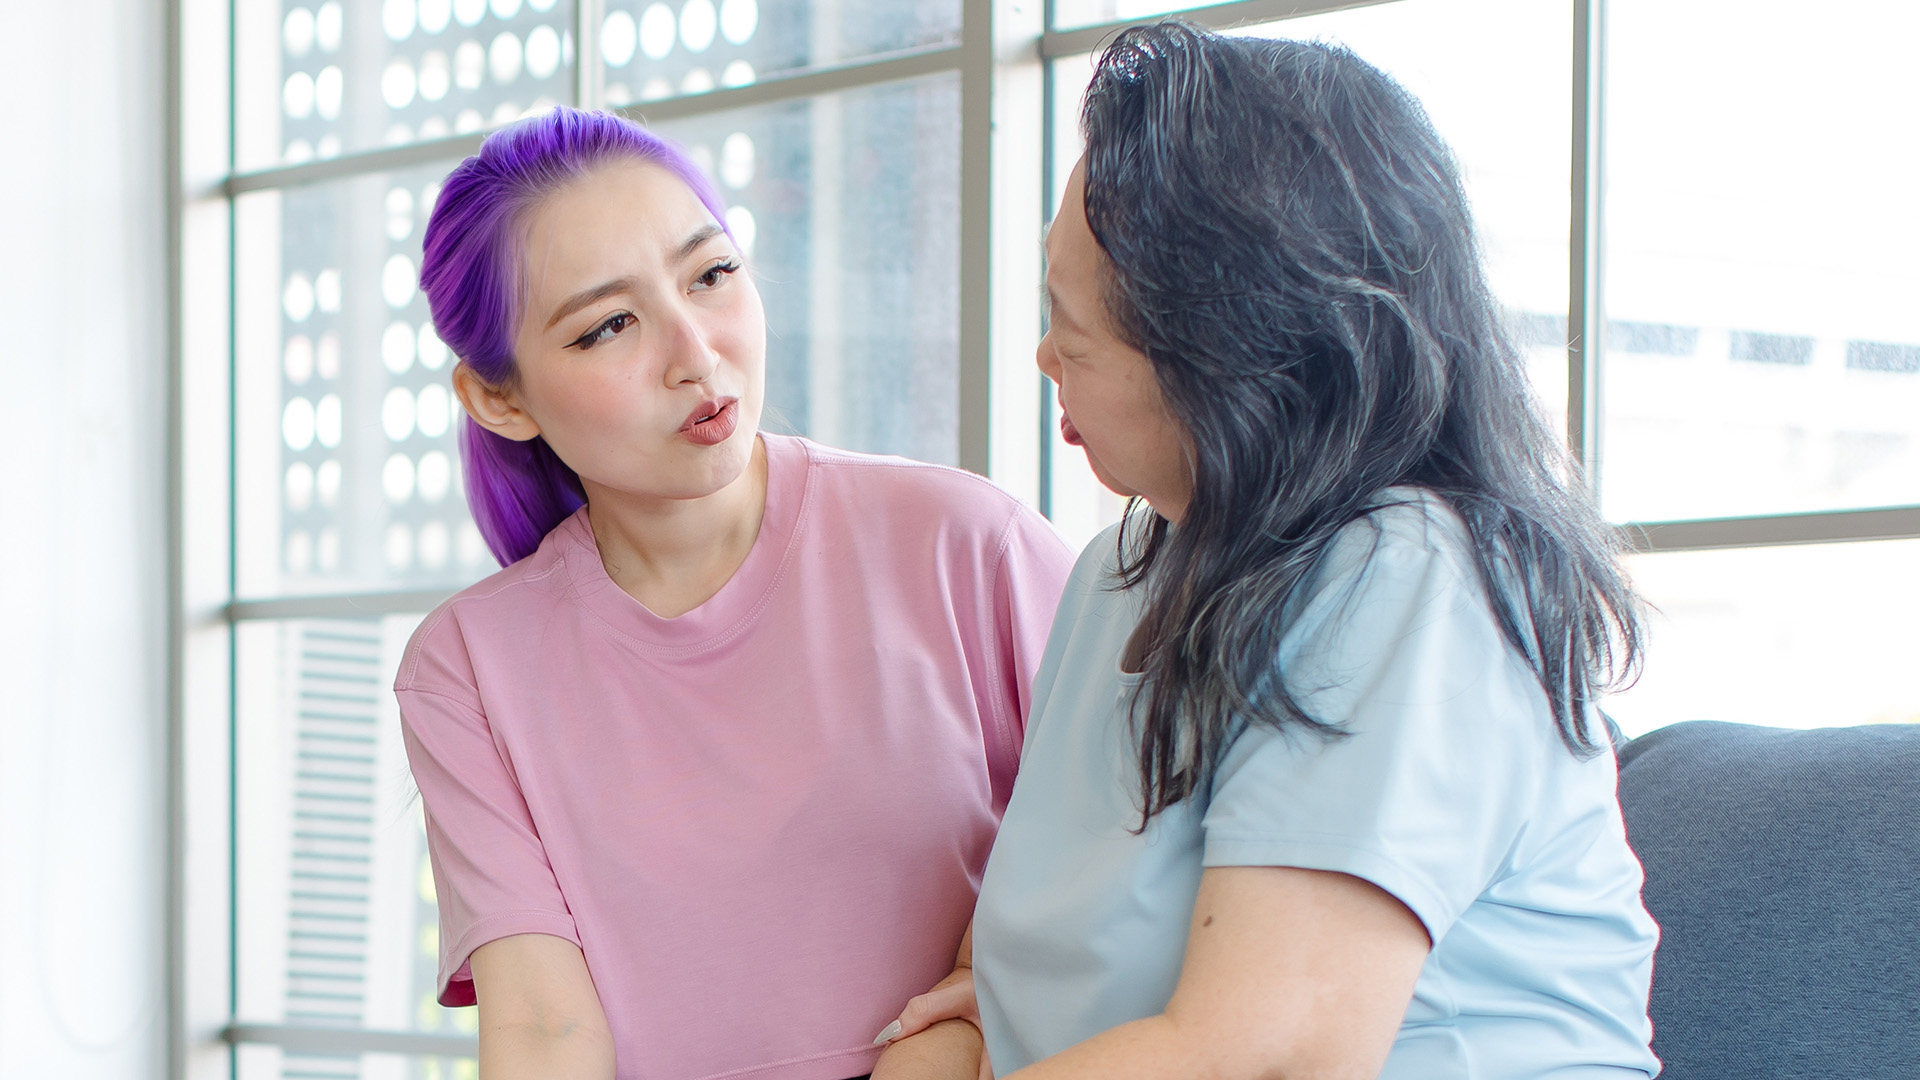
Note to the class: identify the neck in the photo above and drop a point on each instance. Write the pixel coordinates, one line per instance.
(672, 555)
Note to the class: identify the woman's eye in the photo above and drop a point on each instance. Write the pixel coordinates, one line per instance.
(605, 332)
(714, 273)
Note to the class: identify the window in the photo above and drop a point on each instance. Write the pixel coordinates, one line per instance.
(321, 475)
(1725, 331)
(1748, 380)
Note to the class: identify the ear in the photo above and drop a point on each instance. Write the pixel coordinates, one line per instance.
(494, 408)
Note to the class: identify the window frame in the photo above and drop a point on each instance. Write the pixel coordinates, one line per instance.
(1005, 59)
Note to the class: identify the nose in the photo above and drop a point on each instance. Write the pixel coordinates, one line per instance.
(691, 357)
(1046, 359)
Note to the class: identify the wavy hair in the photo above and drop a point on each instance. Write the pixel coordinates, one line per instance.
(1288, 241)
(470, 272)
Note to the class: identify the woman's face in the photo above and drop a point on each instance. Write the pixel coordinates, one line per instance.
(641, 354)
(1110, 402)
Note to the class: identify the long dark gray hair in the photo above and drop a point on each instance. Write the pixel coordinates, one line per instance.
(1288, 242)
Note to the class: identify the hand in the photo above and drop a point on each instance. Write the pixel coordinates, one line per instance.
(952, 998)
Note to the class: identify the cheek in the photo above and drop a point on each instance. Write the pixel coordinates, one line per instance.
(745, 345)
(590, 398)
(743, 326)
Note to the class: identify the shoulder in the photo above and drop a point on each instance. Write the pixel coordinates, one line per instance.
(1099, 561)
(1410, 539)
(906, 482)
(1093, 590)
(439, 656)
(1400, 580)
(896, 493)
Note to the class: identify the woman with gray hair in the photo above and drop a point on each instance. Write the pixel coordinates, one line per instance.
(1316, 784)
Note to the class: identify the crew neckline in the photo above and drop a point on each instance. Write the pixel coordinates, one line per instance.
(726, 613)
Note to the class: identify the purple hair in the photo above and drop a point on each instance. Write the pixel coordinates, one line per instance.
(470, 271)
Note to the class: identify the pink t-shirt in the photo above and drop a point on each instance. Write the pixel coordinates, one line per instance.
(763, 821)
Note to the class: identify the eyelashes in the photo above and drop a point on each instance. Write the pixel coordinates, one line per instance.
(620, 321)
(608, 329)
(717, 270)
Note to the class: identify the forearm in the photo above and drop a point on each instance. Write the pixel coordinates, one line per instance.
(1155, 1048)
(949, 1050)
(535, 1051)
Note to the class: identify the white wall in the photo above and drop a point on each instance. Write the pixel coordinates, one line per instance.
(83, 336)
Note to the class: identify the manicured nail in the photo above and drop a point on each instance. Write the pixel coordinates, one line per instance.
(891, 1033)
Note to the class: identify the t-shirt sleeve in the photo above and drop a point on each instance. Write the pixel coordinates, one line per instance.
(490, 871)
(1031, 574)
(1426, 794)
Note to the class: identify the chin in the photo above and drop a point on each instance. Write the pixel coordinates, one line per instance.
(1107, 480)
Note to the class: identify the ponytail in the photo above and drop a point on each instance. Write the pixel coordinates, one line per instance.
(518, 491)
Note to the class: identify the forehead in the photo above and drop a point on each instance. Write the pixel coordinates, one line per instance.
(1073, 256)
(621, 218)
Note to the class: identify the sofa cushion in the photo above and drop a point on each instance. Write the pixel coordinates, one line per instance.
(1784, 870)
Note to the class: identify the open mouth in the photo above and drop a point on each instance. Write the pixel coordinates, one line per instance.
(713, 421)
(707, 412)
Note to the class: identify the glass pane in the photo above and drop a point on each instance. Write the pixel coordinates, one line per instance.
(336, 919)
(1495, 77)
(1068, 14)
(1759, 259)
(650, 50)
(1816, 636)
(347, 471)
(848, 205)
(273, 1063)
(317, 78)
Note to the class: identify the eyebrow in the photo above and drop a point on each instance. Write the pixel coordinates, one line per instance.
(589, 297)
(699, 236)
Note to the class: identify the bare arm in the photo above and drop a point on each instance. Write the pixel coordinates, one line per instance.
(540, 1017)
(1288, 973)
(938, 1033)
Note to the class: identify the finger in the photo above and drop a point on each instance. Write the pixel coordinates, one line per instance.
(948, 1001)
(954, 1001)
(888, 1034)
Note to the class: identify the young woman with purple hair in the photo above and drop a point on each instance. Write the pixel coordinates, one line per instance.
(711, 768)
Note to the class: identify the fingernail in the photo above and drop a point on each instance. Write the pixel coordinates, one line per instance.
(891, 1033)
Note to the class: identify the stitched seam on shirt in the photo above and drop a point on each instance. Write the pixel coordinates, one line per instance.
(748, 621)
(751, 1069)
(463, 950)
(466, 706)
(445, 612)
(861, 462)
(1335, 840)
(1003, 723)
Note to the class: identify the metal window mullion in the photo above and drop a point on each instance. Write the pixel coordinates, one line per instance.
(1774, 530)
(298, 1039)
(1022, 149)
(1049, 122)
(176, 944)
(1056, 43)
(588, 75)
(869, 71)
(199, 156)
(976, 153)
(361, 605)
(1586, 315)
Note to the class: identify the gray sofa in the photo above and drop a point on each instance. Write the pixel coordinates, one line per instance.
(1784, 870)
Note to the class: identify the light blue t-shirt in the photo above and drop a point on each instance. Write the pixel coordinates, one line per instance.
(1453, 792)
